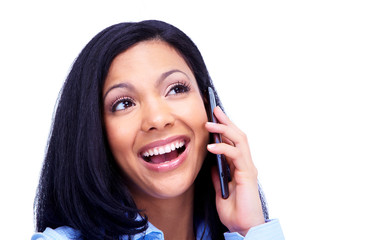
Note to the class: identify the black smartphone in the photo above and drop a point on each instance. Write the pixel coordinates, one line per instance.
(222, 166)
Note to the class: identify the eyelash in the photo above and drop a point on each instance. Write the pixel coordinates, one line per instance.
(186, 87)
(120, 100)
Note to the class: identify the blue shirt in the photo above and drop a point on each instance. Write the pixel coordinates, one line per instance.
(270, 230)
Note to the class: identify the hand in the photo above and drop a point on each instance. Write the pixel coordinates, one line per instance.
(242, 209)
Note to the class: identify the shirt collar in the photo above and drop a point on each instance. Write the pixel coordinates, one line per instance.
(153, 233)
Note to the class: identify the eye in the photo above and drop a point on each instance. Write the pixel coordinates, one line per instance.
(122, 104)
(179, 88)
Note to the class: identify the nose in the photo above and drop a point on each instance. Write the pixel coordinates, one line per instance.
(156, 115)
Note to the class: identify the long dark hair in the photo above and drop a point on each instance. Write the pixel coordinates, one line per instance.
(80, 184)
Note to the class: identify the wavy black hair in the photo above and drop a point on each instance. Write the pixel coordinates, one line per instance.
(80, 184)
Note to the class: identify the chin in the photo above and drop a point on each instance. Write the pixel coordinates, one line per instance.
(171, 187)
(173, 192)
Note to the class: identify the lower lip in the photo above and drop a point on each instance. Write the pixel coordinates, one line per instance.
(168, 166)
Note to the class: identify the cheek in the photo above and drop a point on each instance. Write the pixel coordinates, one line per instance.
(120, 140)
(198, 116)
(194, 111)
(195, 116)
(200, 119)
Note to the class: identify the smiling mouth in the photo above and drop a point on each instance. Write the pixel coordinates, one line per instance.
(164, 153)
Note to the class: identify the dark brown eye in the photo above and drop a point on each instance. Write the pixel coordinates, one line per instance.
(122, 104)
(178, 88)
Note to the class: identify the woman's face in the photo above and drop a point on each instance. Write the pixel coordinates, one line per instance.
(154, 118)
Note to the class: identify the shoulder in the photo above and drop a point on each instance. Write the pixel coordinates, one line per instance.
(60, 233)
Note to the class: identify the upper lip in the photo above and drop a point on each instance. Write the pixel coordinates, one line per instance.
(162, 142)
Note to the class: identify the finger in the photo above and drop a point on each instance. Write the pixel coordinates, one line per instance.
(231, 133)
(223, 119)
(218, 128)
(221, 116)
(227, 141)
(233, 154)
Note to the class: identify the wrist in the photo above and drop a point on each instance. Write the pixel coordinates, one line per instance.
(254, 223)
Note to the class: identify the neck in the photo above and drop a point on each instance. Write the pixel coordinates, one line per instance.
(173, 216)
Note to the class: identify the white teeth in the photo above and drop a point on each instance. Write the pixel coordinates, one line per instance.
(161, 150)
(164, 149)
(156, 151)
(172, 146)
(167, 149)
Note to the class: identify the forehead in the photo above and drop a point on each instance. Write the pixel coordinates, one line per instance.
(152, 53)
(146, 60)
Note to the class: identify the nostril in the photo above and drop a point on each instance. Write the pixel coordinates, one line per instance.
(152, 128)
(156, 117)
(157, 125)
(168, 124)
(156, 128)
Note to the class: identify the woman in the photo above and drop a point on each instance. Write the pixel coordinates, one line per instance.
(128, 156)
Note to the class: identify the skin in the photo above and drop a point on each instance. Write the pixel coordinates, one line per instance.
(150, 97)
(242, 210)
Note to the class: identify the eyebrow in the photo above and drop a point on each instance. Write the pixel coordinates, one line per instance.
(119, 85)
(158, 82)
(167, 74)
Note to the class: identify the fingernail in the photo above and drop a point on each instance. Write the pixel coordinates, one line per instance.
(211, 146)
(210, 123)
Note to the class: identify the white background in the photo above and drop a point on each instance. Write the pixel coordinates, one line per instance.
(291, 74)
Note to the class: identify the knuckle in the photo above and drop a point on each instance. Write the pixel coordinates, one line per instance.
(255, 171)
(237, 154)
(245, 137)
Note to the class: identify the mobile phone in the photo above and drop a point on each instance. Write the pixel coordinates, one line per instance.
(222, 166)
